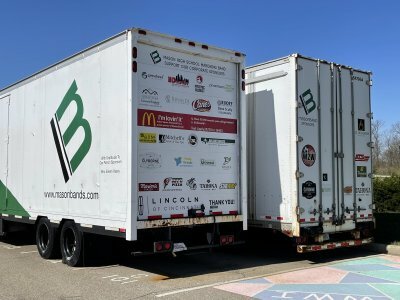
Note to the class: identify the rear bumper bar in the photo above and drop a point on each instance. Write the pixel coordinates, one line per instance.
(333, 245)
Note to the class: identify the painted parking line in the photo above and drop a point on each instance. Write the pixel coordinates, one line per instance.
(359, 279)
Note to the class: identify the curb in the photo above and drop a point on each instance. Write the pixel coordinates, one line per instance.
(383, 248)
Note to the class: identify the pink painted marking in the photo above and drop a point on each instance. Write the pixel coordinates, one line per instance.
(315, 275)
(245, 289)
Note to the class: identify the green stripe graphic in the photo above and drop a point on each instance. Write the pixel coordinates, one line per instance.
(9, 204)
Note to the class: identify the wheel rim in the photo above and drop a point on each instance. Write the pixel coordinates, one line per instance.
(69, 242)
(43, 237)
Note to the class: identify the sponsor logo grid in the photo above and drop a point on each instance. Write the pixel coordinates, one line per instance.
(181, 135)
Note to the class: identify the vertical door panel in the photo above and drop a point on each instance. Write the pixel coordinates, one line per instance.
(362, 136)
(4, 104)
(308, 141)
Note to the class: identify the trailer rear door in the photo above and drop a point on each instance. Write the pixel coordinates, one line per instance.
(333, 145)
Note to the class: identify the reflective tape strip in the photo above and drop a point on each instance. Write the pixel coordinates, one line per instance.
(4, 215)
(86, 225)
(111, 228)
(18, 217)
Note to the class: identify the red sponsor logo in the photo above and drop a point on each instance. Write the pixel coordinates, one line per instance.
(308, 155)
(185, 122)
(149, 187)
(361, 157)
(201, 105)
(178, 80)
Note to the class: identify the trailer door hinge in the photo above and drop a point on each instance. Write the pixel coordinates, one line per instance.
(369, 82)
(299, 174)
(299, 139)
(298, 67)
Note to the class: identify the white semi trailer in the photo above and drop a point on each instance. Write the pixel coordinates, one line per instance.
(141, 136)
(309, 152)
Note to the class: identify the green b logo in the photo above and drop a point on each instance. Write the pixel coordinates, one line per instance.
(62, 140)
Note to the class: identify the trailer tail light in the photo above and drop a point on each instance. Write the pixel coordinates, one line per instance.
(243, 86)
(226, 240)
(200, 214)
(243, 74)
(316, 248)
(134, 66)
(204, 47)
(331, 246)
(216, 213)
(233, 212)
(123, 230)
(165, 246)
(157, 217)
(176, 216)
(134, 52)
(178, 40)
(141, 31)
(238, 54)
(358, 242)
(192, 44)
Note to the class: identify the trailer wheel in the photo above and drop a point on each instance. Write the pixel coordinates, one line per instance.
(46, 239)
(71, 244)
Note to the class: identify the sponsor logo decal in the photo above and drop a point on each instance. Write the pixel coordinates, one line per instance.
(171, 139)
(227, 186)
(308, 155)
(149, 187)
(176, 100)
(309, 189)
(61, 140)
(173, 184)
(183, 161)
(191, 183)
(161, 119)
(201, 105)
(140, 205)
(227, 87)
(167, 200)
(150, 97)
(155, 57)
(146, 75)
(361, 127)
(208, 185)
(307, 101)
(178, 80)
(361, 171)
(348, 189)
(361, 157)
(150, 160)
(207, 162)
(226, 165)
(225, 107)
(217, 142)
(149, 119)
(199, 87)
(363, 190)
(192, 139)
(148, 137)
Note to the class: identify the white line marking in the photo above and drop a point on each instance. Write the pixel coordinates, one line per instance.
(26, 252)
(129, 281)
(55, 261)
(259, 276)
(110, 276)
(94, 268)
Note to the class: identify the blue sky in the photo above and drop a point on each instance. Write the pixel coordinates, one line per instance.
(363, 34)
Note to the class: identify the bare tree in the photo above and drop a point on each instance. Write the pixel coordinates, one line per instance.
(378, 139)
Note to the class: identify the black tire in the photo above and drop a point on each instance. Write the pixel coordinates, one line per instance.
(46, 239)
(71, 244)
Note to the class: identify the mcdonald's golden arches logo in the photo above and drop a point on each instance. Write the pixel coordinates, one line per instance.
(149, 119)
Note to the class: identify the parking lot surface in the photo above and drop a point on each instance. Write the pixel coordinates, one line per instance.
(262, 271)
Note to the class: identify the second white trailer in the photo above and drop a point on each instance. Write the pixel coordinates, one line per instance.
(309, 151)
